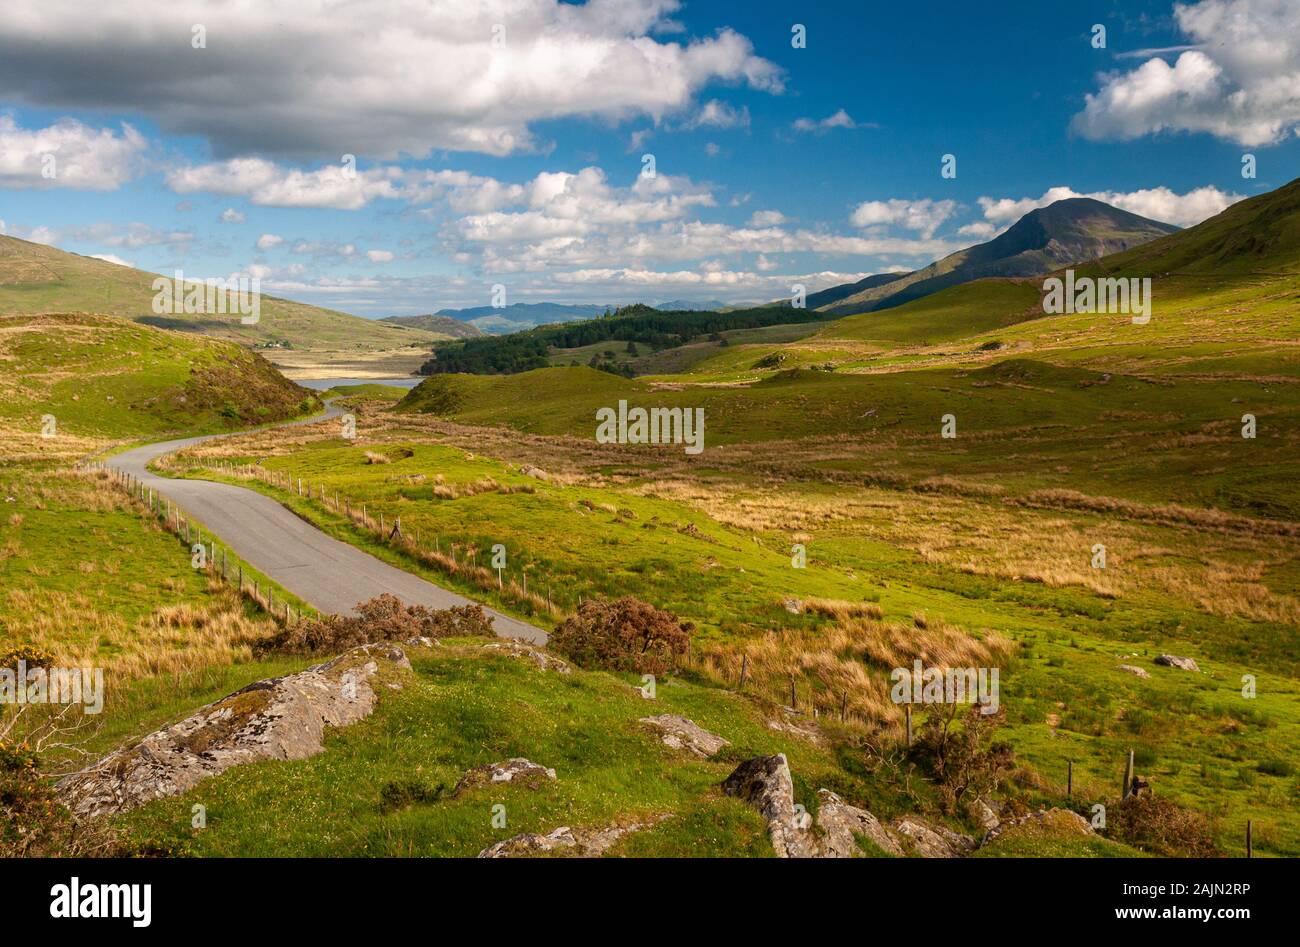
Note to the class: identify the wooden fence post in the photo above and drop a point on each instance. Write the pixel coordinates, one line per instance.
(1069, 778)
(1128, 776)
(907, 713)
(1250, 846)
(744, 670)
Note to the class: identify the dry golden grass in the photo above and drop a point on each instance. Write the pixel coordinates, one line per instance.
(846, 667)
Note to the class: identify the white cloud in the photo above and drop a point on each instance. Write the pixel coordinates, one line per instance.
(923, 216)
(111, 258)
(269, 241)
(68, 154)
(840, 119)
(718, 114)
(378, 78)
(767, 218)
(380, 256)
(231, 216)
(268, 184)
(1240, 82)
(1159, 203)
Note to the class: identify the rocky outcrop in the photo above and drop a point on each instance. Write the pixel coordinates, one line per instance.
(841, 823)
(931, 841)
(283, 718)
(515, 648)
(1174, 661)
(797, 724)
(581, 843)
(515, 770)
(682, 734)
(764, 782)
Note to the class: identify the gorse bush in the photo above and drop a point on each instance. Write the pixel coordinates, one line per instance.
(384, 618)
(623, 635)
(1159, 825)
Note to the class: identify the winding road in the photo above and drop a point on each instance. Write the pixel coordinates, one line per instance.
(329, 575)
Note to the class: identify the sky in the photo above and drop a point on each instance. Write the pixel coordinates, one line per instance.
(396, 157)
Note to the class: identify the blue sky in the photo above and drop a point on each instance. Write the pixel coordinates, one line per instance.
(502, 141)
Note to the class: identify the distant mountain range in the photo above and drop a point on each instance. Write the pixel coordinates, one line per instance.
(1064, 233)
(445, 325)
(520, 316)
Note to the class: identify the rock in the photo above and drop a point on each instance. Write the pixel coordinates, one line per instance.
(800, 727)
(985, 814)
(793, 605)
(528, 470)
(1134, 669)
(514, 770)
(1173, 661)
(682, 734)
(583, 843)
(1055, 820)
(841, 822)
(764, 782)
(933, 841)
(527, 652)
(282, 718)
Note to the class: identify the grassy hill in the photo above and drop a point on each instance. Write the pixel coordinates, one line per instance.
(103, 377)
(444, 326)
(35, 278)
(1066, 232)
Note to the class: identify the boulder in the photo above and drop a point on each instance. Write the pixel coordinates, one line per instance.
(1134, 669)
(682, 734)
(514, 770)
(1174, 661)
(764, 782)
(282, 718)
(841, 823)
(932, 841)
(582, 843)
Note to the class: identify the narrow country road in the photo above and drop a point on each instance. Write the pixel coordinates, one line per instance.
(330, 575)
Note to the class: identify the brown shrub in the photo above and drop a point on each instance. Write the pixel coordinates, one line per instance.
(1156, 824)
(624, 635)
(384, 618)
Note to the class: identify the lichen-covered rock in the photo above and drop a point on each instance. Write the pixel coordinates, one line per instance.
(1174, 661)
(516, 770)
(582, 843)
(282, 718)
(527, 652)
(683, 734)
(764, 782)
(841, 823)
(932, 841)
(1134, 669)
(795, 723)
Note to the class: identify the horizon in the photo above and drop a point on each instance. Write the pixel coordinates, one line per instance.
(534, 177)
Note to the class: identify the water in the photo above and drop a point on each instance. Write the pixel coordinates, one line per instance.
(320, 384)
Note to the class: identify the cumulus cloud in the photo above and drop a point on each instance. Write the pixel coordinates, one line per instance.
(1159, 203)
(717, 114)
(380, 256)
(111, 258)
(839, 119)
(68, 154)
(269, 184)
(268, 241)
(767, 218)
(231, 216)
(923, 216)
(378, 78)
(1239, 80)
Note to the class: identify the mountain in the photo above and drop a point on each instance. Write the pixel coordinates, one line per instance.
(445, 326)
(687, 305)
(502, 320)
(1067, 232)
(35, 278)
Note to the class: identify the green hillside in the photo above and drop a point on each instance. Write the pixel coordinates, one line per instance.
(35, 278)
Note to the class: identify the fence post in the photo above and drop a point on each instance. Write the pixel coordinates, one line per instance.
(1128, 776)
(744, 669)
(1069, 778)
(844, 706)
(907, 714)
(1250, 848)
(794, 695)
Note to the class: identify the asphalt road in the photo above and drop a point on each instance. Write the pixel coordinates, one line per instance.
(331, 576)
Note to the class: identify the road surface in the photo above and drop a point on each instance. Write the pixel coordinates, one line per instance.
(331, 576)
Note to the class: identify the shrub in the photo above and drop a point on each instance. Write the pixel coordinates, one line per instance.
(35, 657)
(33, 823)
(1155, 824)
(624, 635)
(403, 793)
(964, 761)
(384, 618)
